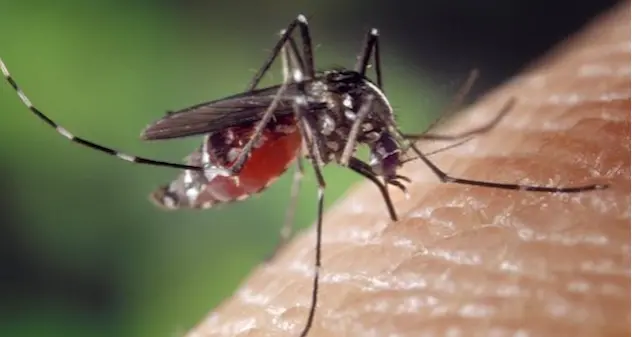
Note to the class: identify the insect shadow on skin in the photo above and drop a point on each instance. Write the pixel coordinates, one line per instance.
(251, 138)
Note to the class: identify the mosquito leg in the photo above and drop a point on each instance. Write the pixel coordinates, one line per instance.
(307, 46)
(355, 130)
(469, 133)
(370, 44)
(285, 34)
(313, 145)
(445, 178)
(317, 261)
(294, 56)
(289, 73)
(293, 66)
(81, 141)
(239, 162)
(378, 61)
(307, 131)
(293, 61)
(364, 170)
(287, 229)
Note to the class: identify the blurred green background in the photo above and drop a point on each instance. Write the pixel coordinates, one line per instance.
(82, 251)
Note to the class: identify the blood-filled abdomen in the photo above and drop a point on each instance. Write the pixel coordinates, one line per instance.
(275, 151)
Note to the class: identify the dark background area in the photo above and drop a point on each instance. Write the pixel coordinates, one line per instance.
(82, 251)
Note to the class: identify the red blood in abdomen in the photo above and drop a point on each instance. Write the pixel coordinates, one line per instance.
(266, 163)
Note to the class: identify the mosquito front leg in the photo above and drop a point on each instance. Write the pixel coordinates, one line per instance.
(307, 130)
(445, 178)
(355, 130)
(307, 60)
(370, 46)
(292, 61)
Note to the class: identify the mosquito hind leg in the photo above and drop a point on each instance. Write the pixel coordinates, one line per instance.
(82, 141)
(446, 178)
(363, 169)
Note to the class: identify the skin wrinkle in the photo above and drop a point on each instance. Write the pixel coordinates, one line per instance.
(469, 261)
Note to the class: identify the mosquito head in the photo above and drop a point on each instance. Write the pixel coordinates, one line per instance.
(385, 156)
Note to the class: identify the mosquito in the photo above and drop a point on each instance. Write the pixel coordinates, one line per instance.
(251, 138)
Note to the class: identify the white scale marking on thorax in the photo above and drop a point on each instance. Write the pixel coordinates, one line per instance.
(380, 94)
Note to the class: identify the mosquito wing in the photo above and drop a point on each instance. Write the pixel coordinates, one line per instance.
(241, 109)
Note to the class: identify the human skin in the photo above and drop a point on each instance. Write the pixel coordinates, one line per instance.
(472, 261)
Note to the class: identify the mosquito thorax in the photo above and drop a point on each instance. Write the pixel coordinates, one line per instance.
(345, 92)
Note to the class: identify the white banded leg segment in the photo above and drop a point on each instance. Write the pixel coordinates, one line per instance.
(65, 133)
(126, 157)
(25, 99)
(87, 143)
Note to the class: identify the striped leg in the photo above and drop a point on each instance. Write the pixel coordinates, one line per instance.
(446, 178)
(82, 141)
(370, 46)
(291, 63)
